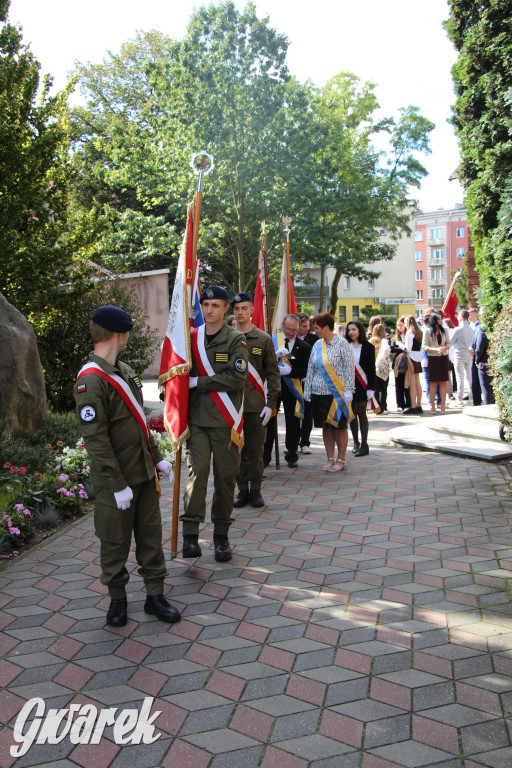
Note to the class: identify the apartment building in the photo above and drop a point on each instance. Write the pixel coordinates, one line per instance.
(441, 241)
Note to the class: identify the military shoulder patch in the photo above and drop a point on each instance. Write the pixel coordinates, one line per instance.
(81, 388)
(243, 343)
(240, 364)
(221, 357)
(256, 350)
(137, 381)
(87, 413)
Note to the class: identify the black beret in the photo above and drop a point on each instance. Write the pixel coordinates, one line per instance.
(241, 296)
(214, 292)
(113, 319)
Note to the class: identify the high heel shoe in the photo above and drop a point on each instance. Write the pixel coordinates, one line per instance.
(356, 447)
(363, 451)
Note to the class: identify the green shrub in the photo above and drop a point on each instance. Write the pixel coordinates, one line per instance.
(34, 451)
(500, 358)
(47, 516)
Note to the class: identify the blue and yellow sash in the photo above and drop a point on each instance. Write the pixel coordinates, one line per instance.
(339, 407)
(294, 385)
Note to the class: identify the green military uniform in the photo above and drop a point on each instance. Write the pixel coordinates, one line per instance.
(262, 356)
(210, 434)
(120, 457)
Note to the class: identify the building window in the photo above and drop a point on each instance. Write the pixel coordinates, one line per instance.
(437, 293)
(346, 283)
(419, 295)
(437, 254)
(371, 284)
(355, 313)
(436, 234)
(418, 235)
(342, 314)
(418, 255)
(461, 252)
(437, 274)
(383, 231)
(460, 231)
(419, 274)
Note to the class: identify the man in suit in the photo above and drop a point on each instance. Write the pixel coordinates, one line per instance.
(476, 389)
(481, 358)
(307, 335)
(297, 352)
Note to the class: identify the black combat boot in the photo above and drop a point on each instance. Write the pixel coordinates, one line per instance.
(222, 548)
(191, 546)
(242, 499)
(117, 614)
(256, 498)
(158, 606)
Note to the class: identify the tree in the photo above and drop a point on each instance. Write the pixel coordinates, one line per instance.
(482, 33)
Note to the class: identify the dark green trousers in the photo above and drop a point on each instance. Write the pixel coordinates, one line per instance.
(114, 529)
(204, 444)
(251, 459)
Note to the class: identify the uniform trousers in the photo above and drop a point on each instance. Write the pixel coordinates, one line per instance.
(306, 425)
(251, 458)
(114, 529)
(293, 424)
(203, 444)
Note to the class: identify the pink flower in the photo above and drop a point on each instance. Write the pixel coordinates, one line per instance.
(7, 465)
(23, 470)
(63, 478)
(19, 507)
(15, 531)
(38, 475)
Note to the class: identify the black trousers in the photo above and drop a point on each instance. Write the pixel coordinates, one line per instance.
(476, 388)
(306, 424)
(403, 395)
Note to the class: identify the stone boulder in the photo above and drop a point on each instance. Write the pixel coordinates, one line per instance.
(22, 391)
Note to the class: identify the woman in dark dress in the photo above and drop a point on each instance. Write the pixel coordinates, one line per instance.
(436, 344)
(364, 356)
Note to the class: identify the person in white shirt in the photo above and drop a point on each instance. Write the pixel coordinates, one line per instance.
(413, 339)
(382, 355)
(461, 339)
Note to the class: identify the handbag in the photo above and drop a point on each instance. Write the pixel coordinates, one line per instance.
(382, 367)
(404, 362)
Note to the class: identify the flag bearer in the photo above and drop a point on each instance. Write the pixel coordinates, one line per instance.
(262, 388)
(215, 417)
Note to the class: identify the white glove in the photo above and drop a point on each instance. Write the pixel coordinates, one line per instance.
(192, 382)
(265, 415)
(281, 352)
(285, 370)
(123, 498)
(369, 394)
(165, 467)
(348, 397)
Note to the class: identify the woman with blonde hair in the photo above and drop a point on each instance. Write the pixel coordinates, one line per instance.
(413, 339)
(375, 320)
(382, 355)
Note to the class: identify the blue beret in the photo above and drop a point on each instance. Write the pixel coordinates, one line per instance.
(241, 296)
(214, 292)
(113, 319)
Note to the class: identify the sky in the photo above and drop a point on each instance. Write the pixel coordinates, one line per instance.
(400, 45)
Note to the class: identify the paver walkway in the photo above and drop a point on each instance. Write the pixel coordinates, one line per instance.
(364, 622)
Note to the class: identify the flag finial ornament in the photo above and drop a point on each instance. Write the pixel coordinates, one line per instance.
(202, 162)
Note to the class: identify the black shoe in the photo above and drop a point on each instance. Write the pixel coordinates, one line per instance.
(191, 546)
(117, 614)
(158, 606)
(409, 411)
(256, 499)
(356, 447)
(222, 549)
(292, 464)
(363, 451)
(419, 409)
(242, 499)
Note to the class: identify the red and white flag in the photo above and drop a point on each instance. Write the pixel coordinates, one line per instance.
(451, 305)
(258, 312)
(285, 304)
(176, 359)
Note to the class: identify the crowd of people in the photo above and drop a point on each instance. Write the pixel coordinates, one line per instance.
(322, 374)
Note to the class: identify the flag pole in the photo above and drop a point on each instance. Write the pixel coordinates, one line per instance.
(268, 321)
(202, 164)
(457, 276)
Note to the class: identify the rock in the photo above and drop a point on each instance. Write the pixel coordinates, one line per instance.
(22, 390)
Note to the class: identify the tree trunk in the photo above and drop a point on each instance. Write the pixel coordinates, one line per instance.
(334, 293)
(322, 276)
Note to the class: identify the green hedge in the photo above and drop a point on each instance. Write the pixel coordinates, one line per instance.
(500, 358)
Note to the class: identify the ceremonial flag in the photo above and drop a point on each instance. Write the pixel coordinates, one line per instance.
(258, 312)
(176, 359)
(197, 312)
(286, 303)
(451, 304)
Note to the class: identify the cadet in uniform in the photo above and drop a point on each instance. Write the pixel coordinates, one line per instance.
(262, 388)
(124, 460)
(217, 380)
